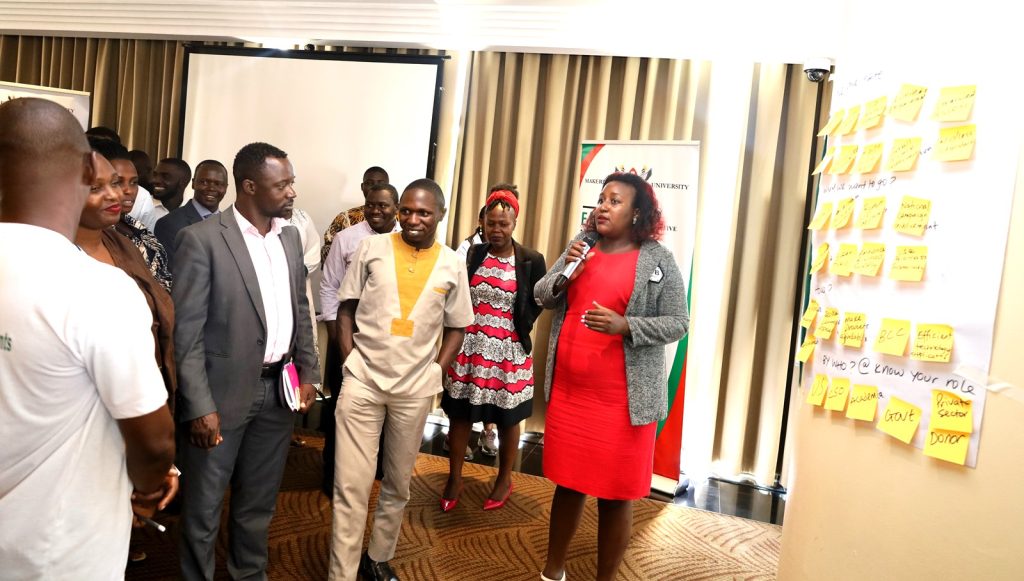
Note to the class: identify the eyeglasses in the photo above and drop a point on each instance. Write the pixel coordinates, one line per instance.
(205, 183)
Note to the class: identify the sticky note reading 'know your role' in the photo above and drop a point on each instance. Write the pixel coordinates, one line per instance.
(900, 419)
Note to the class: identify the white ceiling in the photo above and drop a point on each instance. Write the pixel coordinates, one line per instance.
(781, 31)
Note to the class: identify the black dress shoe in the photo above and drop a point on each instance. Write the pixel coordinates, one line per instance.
(376, 571)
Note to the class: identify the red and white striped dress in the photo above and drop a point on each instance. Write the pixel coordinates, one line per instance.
(492, 377)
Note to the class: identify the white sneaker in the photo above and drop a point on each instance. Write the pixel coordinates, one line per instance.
(488, 443)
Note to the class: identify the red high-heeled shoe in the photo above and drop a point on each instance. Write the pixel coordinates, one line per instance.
(490, 504)
(448, 504)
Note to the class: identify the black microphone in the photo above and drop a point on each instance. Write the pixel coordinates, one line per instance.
(589, 240)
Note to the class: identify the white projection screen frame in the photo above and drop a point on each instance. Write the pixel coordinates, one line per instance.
(335, 114)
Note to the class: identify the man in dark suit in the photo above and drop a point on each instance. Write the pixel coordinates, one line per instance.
(208, 188)
(242, 314)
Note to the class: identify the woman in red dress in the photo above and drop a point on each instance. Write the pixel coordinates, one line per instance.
(606, 379)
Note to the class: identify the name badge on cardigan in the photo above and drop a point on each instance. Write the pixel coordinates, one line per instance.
(401, 327)
(658, 274)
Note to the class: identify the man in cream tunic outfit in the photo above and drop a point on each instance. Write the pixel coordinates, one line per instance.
(401, 292)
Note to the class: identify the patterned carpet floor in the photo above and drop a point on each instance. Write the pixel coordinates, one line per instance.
(669, 542)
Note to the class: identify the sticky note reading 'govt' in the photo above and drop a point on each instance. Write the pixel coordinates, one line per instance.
(946, 445)
(863, 403)
(907, 103)
(844, 211)
(873, 112)
(892, 337)
(809, 315)
(955, 143)
(903, 154)
(807, 349)
(821, 217)
(913, 216)
(909, 264)
(843, 264)
(871, 213)
(869, 157)
(951, 412)
(835, 399)
(955, 103)
(816, 395)
(820, 257)
(870, 259)
(852, 333)
(932, 343)
(900, 419)
(827, 325)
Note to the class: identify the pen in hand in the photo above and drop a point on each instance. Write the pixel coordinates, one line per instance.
(152, 523)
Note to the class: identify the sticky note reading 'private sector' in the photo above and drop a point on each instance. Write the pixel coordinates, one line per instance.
(852, 332)
(907, 103)
(913, 216)
(932, 342)
(892, 337)
(871, 213)
(835, 399)
(863, 403)
(946, 445)
(951, 412)
(900, 419)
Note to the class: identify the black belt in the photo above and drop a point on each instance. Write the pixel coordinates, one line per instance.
(271, 370)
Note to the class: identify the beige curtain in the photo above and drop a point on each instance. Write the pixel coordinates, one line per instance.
(525, 117)
(135, 84)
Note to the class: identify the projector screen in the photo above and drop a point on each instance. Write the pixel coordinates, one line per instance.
(335, 114)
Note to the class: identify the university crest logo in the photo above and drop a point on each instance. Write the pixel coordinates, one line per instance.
(645, 172)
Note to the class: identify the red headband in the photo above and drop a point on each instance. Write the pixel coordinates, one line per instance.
(505, 196)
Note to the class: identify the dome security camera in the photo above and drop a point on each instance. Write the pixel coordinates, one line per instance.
(817, 69)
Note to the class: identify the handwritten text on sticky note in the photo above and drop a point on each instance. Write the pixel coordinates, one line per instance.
(909, 264)
(913, 216)
(892, 337)
(852, 332)
(871, 213)
(900, 419)
(932, 342)
(863, 403)
(903, 154)
(951, 412)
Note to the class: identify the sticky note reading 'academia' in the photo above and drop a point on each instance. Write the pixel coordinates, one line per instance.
(871, 213)
(892, 337)
(820, 257)
(844, 211)
(955, 143)
(827, 325)
(913, 216)
(946, 445)
(870, 259)
(833, 123)
(951, 412)
(900, 419)
(843, 263)
(907, 103)
(821, 217)
(869, 157)
(863, 403)
(835, 399)
(809, 315)
(955, 103)
(903, 154)
(909, 263)
(850, 120)
(816, 395)
(852, 332)
(807, 349)
(843, 160)
(873, 112)
(932, 343)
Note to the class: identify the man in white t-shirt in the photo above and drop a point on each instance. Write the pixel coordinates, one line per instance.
(83, 414)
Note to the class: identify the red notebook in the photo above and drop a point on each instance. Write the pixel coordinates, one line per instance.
(290, 386)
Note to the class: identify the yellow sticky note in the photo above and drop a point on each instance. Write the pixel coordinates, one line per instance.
(838, 392)
(892, 337)
(955, 103)
(932, 343)
(833, 123)
(907, 103)
(850, 120)
(825, 162)
(946, 445)
(816, 395)
(821, 218)
(843, 264)
(870, 259)
(843, 160)
(844, 211)
(913, 216)
(955, 143)
(869, 157)
(903, 154)
(827, 325)
(873, 112)
(807, 349)
(820, 258)
(809, 315)
(871, 213)
(951, 412)
(852, 333)
(909, 264)
(863, 403)
(900, 419)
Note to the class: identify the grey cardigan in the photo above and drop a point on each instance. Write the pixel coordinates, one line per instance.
(656, 314)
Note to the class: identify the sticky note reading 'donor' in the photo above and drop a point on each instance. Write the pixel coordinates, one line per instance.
(946, 445)
(900, 419)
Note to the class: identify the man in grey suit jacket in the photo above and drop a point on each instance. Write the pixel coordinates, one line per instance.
(208, 188)
(242, 314)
